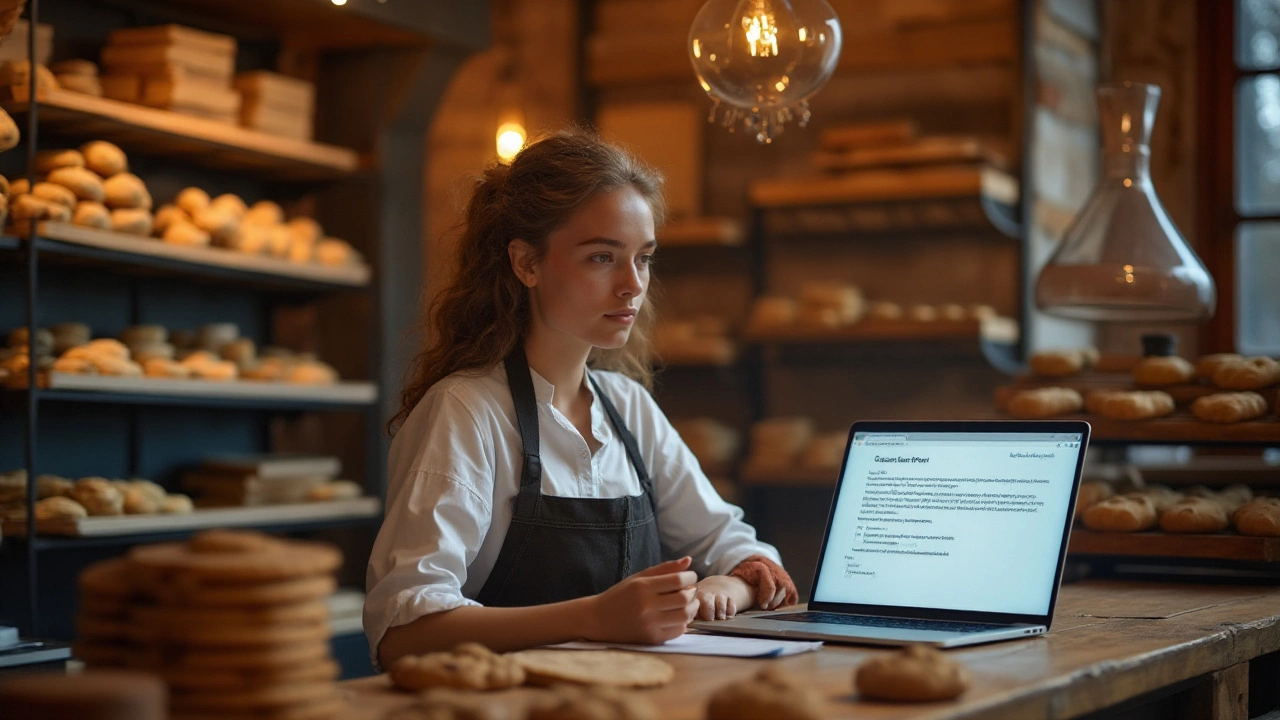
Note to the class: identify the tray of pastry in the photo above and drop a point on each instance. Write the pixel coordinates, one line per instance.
(1192, 523)
(1223, 398)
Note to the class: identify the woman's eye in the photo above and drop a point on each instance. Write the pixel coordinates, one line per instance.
(645, 259)
(601, 258)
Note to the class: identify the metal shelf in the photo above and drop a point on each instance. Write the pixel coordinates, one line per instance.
(244, 394)
(75, 244)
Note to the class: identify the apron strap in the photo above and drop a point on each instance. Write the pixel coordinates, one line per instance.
(628, 440)
(526, 405)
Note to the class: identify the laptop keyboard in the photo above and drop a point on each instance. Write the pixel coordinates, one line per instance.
(885, 622)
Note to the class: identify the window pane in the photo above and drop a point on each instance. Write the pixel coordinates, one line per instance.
(1258, 34)
(1258, 288)
(1258, 145)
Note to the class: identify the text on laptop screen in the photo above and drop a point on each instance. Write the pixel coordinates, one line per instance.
(953, 521)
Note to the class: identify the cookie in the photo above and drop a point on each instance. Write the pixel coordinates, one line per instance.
(588, 667)
(770, 694)
(1044, 402)
(593, 703)
(233, 678)
(1134, 405)
(1171, 370)
(1247, 374)
(1195, 515)
(470, 666)
(1259, 517)
(107, 578)
(289, 591)
(215, 660)
(1091, 493)
(447, 704)
(166, 617)
(1207, 365)
(233, 701)
(240, 556)
(914, 674)
(1229, 407)
(1122, 513)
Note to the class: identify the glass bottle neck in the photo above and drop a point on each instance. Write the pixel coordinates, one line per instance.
(1129, 161)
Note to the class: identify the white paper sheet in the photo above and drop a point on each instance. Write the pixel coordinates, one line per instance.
(696, 643)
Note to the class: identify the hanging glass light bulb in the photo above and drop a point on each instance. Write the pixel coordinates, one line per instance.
(760, 60)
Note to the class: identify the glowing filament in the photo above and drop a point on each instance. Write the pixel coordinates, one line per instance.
(762, 33)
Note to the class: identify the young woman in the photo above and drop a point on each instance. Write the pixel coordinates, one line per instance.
(535, 486)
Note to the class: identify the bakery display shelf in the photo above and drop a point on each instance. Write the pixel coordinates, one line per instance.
(1084, 384)
(701, 232)
(870, 330)
(1173, 546)
(788, 477)
(891, 200)
(128, 529)
(1181, 429)
(350, 394)
(197, 140)
(84, 244)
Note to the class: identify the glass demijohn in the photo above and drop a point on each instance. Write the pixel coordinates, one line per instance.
(760, 60)
(1122, 258)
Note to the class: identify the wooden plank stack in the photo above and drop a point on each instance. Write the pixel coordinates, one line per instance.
(173, 68)
(277, 104)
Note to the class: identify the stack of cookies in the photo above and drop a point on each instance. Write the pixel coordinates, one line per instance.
(233, 621)
(104, 637)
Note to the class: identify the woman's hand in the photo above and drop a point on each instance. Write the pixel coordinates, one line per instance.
(720, 597)
(648, 608)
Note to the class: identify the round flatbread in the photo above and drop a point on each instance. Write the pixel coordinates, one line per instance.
(593, 667)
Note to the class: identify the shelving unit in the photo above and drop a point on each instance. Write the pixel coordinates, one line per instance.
(869, 330)
(365, 186)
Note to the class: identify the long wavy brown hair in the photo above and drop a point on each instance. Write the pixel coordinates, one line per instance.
(478, 320)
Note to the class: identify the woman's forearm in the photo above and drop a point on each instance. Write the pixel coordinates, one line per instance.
(500, 629)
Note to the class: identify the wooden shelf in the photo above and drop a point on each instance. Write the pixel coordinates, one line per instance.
(870, 330)
(887, 201)
(205, 142)
(1217, 546)
(84, 243)
(678, 360)
(1084, 384)
(788, 477)
(1183, 429)
(274, 516)
(204, 393)
(701, 232)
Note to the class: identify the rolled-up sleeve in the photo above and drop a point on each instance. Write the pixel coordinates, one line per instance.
(438, 512)
(692, 517)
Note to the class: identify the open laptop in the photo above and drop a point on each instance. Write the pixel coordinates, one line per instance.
(940, 533)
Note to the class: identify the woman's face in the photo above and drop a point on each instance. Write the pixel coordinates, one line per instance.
(590, 283)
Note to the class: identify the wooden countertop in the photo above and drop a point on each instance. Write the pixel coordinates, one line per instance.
(1110, 642)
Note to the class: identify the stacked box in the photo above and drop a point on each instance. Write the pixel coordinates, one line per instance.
(173, 68)
(276, 104)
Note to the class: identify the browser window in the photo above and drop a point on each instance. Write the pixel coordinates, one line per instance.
(956, 521)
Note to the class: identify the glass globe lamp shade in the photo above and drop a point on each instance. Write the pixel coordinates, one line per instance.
(760, 60)
(1122, 258)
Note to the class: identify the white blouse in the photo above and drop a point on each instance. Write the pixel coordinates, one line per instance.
(454, 469)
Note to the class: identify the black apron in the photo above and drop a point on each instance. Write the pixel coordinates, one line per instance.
(560, 548)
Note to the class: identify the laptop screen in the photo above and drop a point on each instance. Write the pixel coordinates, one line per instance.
(950, 520)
